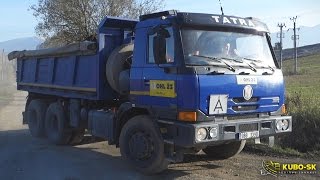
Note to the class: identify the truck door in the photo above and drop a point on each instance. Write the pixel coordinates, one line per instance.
(160, 80)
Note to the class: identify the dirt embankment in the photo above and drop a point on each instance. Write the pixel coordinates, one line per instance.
(7, 79)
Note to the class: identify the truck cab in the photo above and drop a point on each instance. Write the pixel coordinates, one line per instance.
(213, 75)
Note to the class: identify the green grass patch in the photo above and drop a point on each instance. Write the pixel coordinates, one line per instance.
(307, 81)
(272, 151)
(279, 151)
(303, 103)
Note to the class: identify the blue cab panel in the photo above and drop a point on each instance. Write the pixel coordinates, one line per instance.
(267, 93)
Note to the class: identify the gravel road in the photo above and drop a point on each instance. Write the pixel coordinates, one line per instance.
(24, 157)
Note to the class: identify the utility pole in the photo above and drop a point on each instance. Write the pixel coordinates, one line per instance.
(5, 65)
(294, 19)
(281, 25)
(2, 68)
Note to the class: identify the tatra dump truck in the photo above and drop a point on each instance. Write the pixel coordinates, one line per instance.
(169, 84)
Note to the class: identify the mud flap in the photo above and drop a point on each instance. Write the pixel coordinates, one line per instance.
(270, 141)
(24, 120)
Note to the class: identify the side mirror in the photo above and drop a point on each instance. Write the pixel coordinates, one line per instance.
(160, 46)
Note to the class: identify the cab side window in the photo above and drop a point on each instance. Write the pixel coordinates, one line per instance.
(169, 50)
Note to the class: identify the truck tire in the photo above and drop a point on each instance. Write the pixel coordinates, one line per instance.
(142, 146)
(118, 62)
(35, 117)
(225, 151)
(57, 129)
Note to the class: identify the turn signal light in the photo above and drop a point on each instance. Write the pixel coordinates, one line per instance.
(188, 116)
(283, 110)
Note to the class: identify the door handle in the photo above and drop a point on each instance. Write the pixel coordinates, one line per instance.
(146, 81)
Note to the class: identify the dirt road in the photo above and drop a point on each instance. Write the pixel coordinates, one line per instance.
(23, 157)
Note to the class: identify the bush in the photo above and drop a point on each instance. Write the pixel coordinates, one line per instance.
(305, 112)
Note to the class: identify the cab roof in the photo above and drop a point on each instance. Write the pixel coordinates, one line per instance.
(204, 20)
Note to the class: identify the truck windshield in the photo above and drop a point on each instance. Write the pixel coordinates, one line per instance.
(201, 46)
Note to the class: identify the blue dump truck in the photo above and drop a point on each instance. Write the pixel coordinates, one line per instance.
(169, 84)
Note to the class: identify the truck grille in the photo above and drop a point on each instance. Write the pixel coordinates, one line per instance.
(243, 116)
(242, 128)
(248, 127)
(242, 100)
(244, 108)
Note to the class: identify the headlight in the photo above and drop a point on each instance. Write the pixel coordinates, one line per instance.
(213, 132)
(201, 134)
(282, 125)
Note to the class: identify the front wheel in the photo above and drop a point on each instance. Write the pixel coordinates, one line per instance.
(142, 146)
(225, 151)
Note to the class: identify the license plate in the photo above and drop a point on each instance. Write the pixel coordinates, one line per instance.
(248, 135)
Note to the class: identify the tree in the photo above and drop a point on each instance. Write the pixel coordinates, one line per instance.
(66, 21)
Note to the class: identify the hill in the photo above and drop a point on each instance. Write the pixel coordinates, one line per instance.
(307, 36)
(302, 51)
(28, 43)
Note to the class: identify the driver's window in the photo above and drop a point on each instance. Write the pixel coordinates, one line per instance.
(169, 50)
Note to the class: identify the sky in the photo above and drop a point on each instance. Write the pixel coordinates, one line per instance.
(17, 20)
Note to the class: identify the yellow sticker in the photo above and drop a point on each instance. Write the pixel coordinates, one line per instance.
(162, 88)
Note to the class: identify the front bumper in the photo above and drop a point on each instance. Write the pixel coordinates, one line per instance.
(228, 130)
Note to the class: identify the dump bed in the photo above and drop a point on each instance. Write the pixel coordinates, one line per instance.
(76, 70)
(71, 71)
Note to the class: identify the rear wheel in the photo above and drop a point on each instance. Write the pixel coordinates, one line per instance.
(35, 116)
(225, 151)
(142, 146)
(56, 124)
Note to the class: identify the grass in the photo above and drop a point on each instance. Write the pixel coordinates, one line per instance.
(271, 151)
(303, 102)
(307, 82)
(279, 151)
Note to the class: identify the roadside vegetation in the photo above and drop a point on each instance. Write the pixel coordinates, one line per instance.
(303, 104)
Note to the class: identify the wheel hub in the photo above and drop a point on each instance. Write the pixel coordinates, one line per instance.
(140, 146)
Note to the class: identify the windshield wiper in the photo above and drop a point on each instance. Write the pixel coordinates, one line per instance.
(250, 59)
(242, 61)
(220, 60)
(259, 61)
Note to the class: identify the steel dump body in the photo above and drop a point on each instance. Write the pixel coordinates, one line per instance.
(71, 76)
(73, 72)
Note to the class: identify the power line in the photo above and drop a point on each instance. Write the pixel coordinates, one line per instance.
(2, 64)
